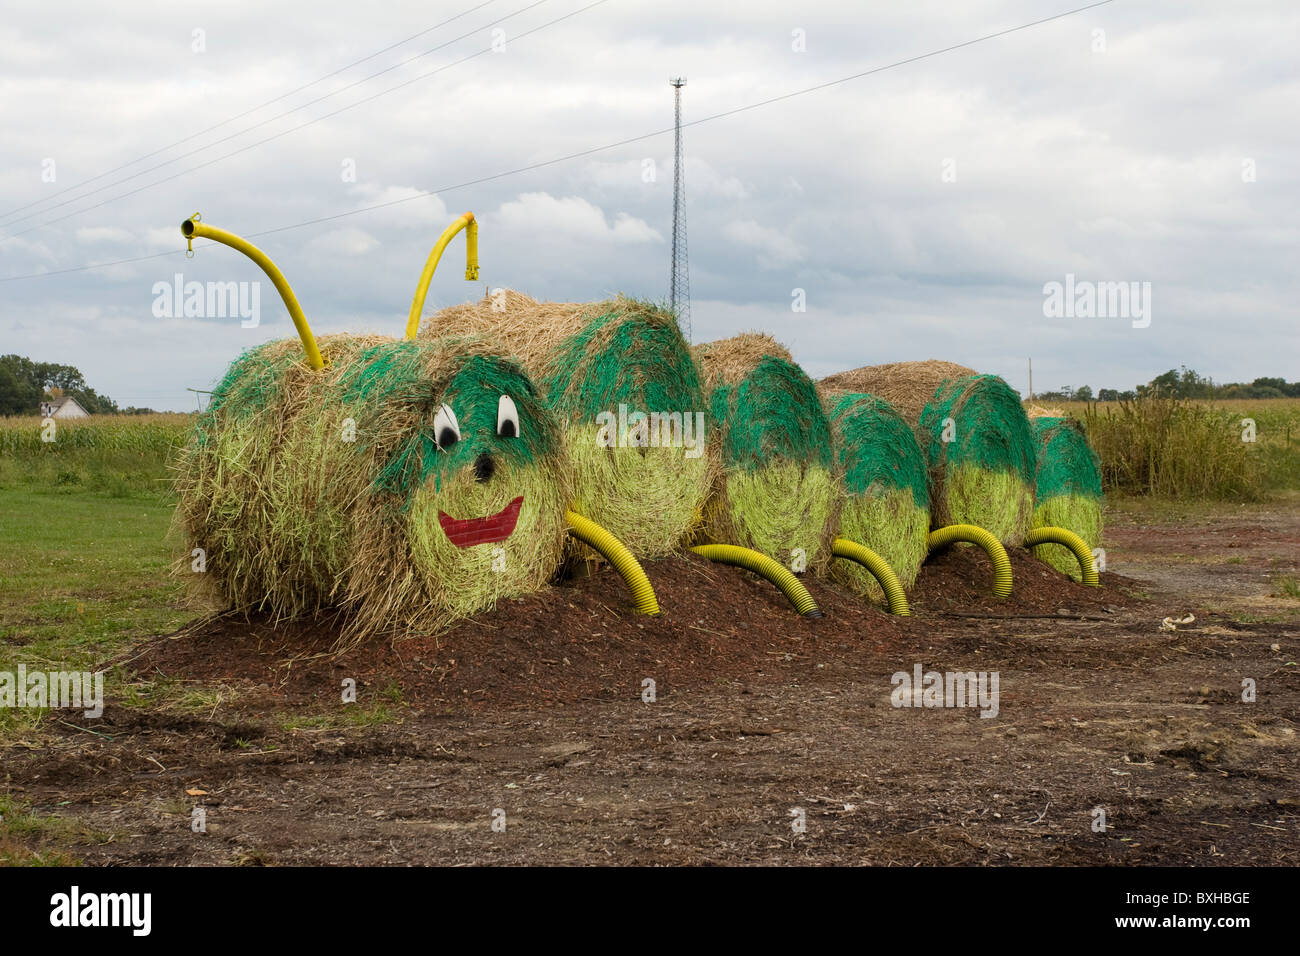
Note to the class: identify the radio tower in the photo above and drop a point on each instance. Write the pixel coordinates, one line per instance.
(680, 285)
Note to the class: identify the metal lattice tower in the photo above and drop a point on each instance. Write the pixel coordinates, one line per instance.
(680, 285)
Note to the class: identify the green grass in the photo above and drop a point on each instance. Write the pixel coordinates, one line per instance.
(1288, 586)
(30, 839)
(82, 578)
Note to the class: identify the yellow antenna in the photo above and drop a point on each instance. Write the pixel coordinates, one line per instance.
(470, 225)
(191, 228)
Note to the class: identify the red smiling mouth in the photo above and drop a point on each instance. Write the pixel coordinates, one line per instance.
(467, 532)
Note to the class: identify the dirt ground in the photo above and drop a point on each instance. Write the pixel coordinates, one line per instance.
(771, 738)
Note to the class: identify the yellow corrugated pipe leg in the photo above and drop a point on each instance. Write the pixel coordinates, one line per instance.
(1053, 535)
(192, 227)
(617, 554)
(941, 537)
(880, 570)
(762, 565)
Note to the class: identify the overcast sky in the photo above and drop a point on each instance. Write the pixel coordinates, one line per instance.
(921, 209)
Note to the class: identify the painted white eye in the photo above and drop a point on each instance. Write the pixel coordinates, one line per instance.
(507, 418)
(446, 429)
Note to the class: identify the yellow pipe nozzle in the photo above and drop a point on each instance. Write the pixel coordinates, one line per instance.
(470, 225)
(191, 229)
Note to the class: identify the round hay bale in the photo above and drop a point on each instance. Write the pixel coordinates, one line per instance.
(908, 386)
(619, 376)
(974, 434)
(776, 491)
(1067, 488)
(886, 496)
(406, 483)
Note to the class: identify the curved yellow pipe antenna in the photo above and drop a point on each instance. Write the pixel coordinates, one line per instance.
(191, 228)
(470, 225)
(880, 570)
(762, 565)
(1052, 535)
(942, 537)
(617, 554)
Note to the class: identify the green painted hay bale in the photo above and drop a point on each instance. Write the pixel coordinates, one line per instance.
(345, 488)
(1067, 488)
(600, 365)
(974, 434)
(886, 496)
(776, 490)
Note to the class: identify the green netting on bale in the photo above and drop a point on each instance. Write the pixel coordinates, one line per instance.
(1065, 462)
(1068, 490)
(602, 367)
(632, 354)
(329, 489)
(771, 413)
(981, 456)
(877, 447)
(777, 492)
(886, 499)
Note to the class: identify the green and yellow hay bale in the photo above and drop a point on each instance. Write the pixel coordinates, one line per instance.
(975, 437)
(886, 503)
(1067, 488)
(619, 376)
(387, 484)
(776, 490)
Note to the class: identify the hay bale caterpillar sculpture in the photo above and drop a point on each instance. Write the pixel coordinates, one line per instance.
(975, 437)
(408, 483)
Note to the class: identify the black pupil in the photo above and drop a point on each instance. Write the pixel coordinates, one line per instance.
(507, 429)
(447, 437)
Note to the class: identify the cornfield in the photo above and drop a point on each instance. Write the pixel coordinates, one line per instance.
(145, 434)
(1174, 448)
(120, 455)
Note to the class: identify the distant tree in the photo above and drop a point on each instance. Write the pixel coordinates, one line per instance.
(1108, 395)
(1127, 395)
(1178, 383)
(17, 396)
(38, 377)
(1083, 393)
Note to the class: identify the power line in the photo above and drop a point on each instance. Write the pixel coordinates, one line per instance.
(595, 149)
(258, 125)
(294, 129)
(247, 112)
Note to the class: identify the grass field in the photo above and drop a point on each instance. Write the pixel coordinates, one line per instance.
(1232, 450)
(82, 577)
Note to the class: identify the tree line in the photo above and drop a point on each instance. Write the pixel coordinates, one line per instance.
(24, 384)
(1178, 383)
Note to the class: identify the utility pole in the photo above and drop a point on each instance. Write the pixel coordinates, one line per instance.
(679, 293)
(1031, 379)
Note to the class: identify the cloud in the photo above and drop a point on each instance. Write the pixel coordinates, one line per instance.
(541, 214)
(402, 207)
(1123, 164)
(94, 234)
(348, 241)
(774, 248)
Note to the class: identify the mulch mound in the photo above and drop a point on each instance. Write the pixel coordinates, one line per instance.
(580, 640)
